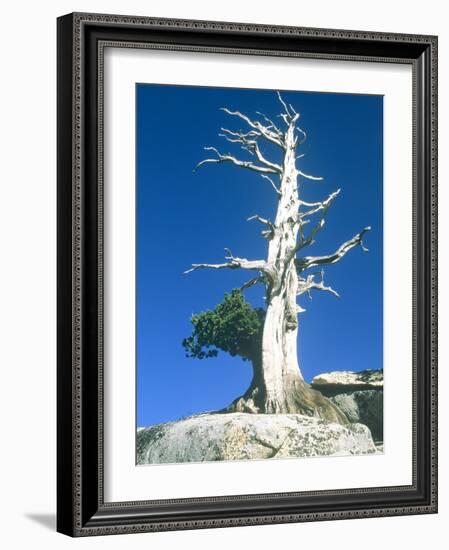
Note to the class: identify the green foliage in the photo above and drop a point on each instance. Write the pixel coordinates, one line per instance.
(234, 326)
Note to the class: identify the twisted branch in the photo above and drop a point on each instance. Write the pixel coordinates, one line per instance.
(316, 207)
(275, 136)
(242, 163)
(236, 263)
(312, 261)
(269, 233)
(322, 207)
(284, 104)
(309, 283)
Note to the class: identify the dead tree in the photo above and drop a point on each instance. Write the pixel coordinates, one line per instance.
(278, 385)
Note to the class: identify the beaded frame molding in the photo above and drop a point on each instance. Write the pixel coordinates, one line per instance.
(81, 510)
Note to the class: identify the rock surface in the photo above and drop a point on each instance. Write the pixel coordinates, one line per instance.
(332, 383)
(358, 394)
(241, 436)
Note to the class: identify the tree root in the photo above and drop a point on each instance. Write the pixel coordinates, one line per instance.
(300, 399)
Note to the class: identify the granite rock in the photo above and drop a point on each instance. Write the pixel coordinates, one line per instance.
(242, 436)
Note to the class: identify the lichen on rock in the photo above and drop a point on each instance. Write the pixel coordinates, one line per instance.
(244, 436)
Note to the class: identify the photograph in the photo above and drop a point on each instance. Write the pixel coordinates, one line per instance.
(259, 274)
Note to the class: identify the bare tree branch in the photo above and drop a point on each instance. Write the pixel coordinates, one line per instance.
(311, 238)
(268, 134)
(312, 261)
(255, 147)
(230, 139)
(242, 135)
(284, 118)
(251, 146)
(309, 177)
(275, 187)
(268, 233)
(284, 104)
(272, 124)
(244, 139)
(304, 135)
(252, 282)
(322, 207)
(235, 263)
(261, 220)
(318, 206)
(309, 283)
(237, 162)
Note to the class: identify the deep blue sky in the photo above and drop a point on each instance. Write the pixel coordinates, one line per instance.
(186, 217)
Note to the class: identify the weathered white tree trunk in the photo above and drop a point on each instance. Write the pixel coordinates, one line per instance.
(278, 385)
(280, 369)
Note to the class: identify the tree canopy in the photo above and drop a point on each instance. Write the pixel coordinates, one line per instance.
(233, 326)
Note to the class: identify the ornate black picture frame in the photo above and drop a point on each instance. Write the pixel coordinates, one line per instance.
(81, 508)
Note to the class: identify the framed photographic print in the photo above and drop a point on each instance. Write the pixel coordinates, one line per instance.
(246, 257)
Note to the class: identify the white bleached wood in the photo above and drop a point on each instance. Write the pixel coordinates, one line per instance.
(342, 250)
(269, 169)
(275, 187)
(284, 104)
(249, 145)
(319, 207)
(309, 283)
(273, 136)
(316, 207)
(234, 263)
(309, 177)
